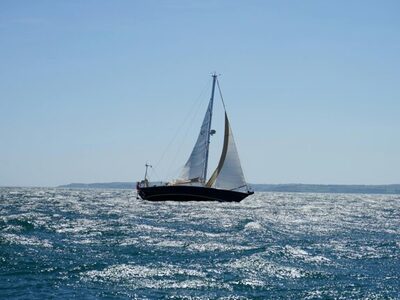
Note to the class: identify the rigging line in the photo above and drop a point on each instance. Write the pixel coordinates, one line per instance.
(220, 94)
(182, 142)
(155, 173)
(183, 123)
(195, 109)
(174, 173)
(241, 166)
(223, 103)
(239, 187)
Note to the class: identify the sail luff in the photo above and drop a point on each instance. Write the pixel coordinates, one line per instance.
(215, 174)
(209, 126)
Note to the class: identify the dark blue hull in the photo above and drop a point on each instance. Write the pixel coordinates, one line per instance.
(190, 193)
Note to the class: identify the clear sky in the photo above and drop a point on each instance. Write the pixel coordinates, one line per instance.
(90, 90)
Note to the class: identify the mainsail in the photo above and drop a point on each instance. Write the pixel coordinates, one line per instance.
(195, 167)
(228, 174)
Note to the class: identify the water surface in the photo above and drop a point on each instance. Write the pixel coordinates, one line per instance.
(106, 244)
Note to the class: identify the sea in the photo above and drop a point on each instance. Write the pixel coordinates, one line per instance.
(106, 244)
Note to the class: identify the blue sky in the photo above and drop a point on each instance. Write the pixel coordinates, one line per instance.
(91, 90)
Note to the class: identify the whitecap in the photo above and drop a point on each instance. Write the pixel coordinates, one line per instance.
(257, 265)
(299, 253)
(202, 247)
(22, 240)
(253, 226)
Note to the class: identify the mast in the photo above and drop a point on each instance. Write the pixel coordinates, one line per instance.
(214, 76)
(145, 174)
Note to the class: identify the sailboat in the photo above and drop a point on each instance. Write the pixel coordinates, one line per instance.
(227, 182)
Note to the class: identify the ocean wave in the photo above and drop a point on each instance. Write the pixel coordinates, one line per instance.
(106, 244)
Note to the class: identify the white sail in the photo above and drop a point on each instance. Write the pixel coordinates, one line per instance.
(195, 167)
(228, 174)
